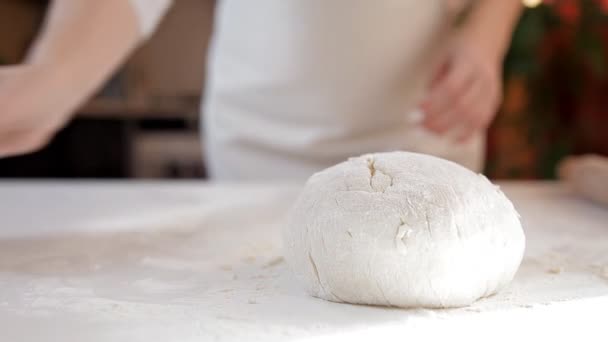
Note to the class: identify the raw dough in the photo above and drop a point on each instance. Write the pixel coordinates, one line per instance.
(403, 229)
(587, 175)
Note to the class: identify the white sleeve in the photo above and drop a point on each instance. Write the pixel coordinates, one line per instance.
(149, 14)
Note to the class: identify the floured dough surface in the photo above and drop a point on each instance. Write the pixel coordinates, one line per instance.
(403, 229)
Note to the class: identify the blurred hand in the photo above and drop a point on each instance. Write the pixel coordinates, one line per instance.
(33, 106)
(466, 90)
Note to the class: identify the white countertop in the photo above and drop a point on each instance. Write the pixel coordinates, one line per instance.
(192, 262)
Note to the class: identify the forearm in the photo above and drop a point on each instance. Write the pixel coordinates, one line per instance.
(491, 24)
(81, 44)
(85, 41)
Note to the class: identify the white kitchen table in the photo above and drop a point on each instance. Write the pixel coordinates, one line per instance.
(186, 261)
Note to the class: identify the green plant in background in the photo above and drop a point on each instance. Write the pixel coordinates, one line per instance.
(556, 85)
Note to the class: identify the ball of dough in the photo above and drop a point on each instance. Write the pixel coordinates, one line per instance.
(403, 229)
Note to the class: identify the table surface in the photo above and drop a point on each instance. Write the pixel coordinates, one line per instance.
(132, 261)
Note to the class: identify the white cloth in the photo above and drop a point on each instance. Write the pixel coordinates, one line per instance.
(149, 14)
(295, 86)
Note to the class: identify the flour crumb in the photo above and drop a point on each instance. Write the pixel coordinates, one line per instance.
(555, 270)
(249, 260)
(274, 261)
(251, 301)
(226, 267)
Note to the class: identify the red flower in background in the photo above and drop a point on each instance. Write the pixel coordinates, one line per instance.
(568, 10)
(558, 106)
(603, 5)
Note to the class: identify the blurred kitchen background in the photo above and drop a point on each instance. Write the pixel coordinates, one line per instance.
(144, 122)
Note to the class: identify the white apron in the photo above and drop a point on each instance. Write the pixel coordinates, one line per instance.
(295, 86)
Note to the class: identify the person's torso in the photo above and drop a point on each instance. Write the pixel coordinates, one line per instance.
(308, 83)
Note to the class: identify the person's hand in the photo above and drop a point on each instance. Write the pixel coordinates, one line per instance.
(465, 92)
(34, 104)
(587, 175)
